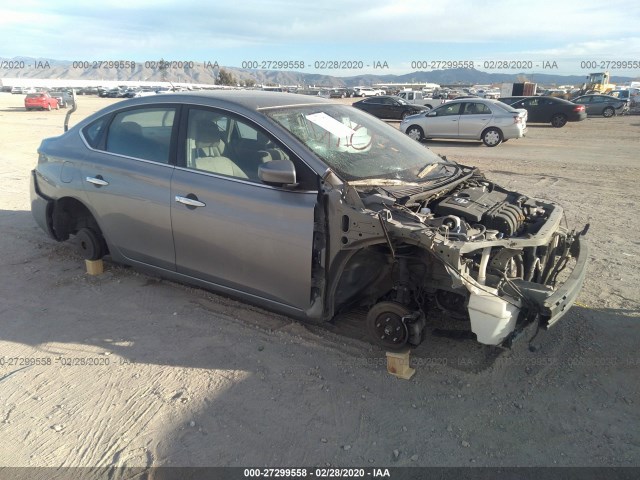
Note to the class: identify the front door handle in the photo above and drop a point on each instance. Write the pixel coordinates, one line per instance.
(97, 181)
(190, 202)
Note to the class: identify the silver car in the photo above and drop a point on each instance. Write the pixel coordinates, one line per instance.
(309, 208)
(491, 121)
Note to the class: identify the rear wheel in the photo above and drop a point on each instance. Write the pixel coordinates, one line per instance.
(386, 327)
(415, 132)
(608, 112)
(91, 245)
(492, 137)
(558, 120)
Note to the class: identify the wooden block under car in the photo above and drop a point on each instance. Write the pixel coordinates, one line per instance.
(398, 364)
(94, 267)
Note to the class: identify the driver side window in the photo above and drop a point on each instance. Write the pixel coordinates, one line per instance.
(221, 143)
(453, 109)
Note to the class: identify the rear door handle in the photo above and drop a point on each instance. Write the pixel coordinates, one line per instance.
(190, 202)
(98, 181)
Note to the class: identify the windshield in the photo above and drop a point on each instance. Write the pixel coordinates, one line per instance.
(356, 145)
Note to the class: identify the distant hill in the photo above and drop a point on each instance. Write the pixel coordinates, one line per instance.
(27, 67)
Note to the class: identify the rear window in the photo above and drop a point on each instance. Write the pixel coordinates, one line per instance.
(505, 107)
(35, 95)
(92, 132)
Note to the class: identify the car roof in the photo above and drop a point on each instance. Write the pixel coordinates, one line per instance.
(472, 99)
(251, 100)
(561, 100)
(380, 96)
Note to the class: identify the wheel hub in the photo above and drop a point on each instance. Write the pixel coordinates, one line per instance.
(391, 328)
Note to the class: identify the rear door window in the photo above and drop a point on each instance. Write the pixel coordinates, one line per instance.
(142, 133)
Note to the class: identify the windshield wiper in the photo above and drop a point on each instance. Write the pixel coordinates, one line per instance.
(431, 167)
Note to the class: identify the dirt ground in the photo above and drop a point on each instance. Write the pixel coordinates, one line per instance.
(129, 370)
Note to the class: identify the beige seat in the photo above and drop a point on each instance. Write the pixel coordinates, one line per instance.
(208, 140)
(267, 146)
(221, 165)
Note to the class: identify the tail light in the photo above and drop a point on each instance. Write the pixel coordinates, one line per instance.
(578, 108)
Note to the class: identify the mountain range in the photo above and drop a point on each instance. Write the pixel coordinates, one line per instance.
(206, 73)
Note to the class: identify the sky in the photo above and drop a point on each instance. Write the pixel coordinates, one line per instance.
(334, 37)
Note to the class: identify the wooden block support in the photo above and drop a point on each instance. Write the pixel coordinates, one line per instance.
(94, 267)
(398, 364)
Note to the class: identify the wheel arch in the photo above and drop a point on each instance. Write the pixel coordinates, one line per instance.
(491, 127)
(344, 283)
(68, 215)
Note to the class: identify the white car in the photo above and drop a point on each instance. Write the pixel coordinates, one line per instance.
(368, 91)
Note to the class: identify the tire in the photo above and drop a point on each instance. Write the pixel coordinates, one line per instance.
(608, 112)
(415, 132)
(385, 325)
(558, 120)
(404, 114)
(492, 137)
(91, 245)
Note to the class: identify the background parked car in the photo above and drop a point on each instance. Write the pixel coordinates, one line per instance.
(604, 105)
(340, 93)
(40, 101)
(556, 111)
(389, 107)
(367, 92)
(488, 120)
(64, 98)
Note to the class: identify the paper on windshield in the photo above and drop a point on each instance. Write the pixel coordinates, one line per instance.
(331, 125)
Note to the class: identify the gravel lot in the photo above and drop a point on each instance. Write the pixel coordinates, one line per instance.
(165, 375)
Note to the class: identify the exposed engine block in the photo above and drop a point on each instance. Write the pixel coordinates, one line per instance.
(496, 210)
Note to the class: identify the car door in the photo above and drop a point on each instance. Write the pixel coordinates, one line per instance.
(533, 107)
(229, 228)
(390, 108)
(550, 106)
(443, 121)
(127, 179)
(598, 104)
(587, 102)
(374, 106)
(474, 119)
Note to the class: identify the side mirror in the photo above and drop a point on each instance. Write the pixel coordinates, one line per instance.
(432, 114)
(277, 172)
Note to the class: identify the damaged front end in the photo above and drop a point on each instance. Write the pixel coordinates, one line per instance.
(494, 258)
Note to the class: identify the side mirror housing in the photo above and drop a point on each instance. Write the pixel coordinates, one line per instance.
(277, 172)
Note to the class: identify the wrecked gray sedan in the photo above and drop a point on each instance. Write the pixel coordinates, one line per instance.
(309, 208)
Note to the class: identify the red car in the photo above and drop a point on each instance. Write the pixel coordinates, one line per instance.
(40, 100)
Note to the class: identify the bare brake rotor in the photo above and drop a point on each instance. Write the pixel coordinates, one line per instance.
(386, 325)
